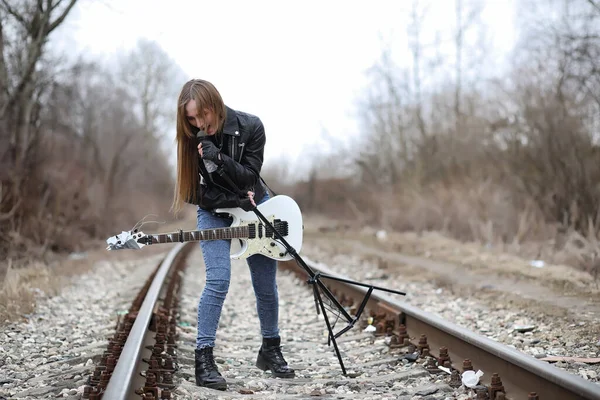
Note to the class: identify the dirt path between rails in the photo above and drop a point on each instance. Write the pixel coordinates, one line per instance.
(461, 268)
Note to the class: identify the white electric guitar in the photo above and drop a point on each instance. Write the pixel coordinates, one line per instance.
(256, 238)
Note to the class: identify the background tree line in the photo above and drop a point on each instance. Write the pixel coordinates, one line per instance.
(507, 158)
(80, 141)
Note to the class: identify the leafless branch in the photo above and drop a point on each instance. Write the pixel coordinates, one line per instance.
(11, 213)
(14, 13)
(59, 20)
(594, 4)
(4, 90)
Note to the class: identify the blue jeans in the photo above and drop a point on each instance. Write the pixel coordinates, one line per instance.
(218, 274)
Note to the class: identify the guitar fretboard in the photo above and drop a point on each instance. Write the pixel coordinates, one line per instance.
(239, 232)
(250, 231)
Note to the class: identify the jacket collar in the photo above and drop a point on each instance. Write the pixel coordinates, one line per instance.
(231, 127)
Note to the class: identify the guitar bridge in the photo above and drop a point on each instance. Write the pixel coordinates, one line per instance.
(280, 226)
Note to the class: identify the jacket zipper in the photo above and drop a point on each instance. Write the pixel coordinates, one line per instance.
(242, 151)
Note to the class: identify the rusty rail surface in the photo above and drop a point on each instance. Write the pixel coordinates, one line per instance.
(120, 374)
(514, 374)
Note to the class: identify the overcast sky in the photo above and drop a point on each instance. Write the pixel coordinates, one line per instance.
(299, 66)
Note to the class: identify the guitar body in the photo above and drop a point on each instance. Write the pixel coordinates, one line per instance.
(278, 208)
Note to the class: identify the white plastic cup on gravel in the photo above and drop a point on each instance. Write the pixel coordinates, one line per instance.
(471, 378)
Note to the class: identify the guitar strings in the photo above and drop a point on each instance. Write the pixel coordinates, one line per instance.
(142, 222)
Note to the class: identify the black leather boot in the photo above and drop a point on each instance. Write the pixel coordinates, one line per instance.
(270, 358)
(207, 374)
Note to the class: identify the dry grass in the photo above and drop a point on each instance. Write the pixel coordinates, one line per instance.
(480, 224)
(484, 212)
(21, 287)
(24, 284)
(500, 259)
(583, 251)
(495, 226)
(474, 258)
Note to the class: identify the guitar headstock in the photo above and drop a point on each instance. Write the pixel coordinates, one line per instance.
(134, 240)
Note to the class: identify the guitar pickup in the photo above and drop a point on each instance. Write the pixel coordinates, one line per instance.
(252, 231)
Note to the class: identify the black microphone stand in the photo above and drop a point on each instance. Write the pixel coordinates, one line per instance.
(315, 280)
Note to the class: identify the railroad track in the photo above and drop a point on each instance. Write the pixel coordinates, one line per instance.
(407, 357)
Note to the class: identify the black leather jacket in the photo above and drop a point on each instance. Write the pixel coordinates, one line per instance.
(242, 143)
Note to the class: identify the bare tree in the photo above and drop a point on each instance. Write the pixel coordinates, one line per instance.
(466, 19)
(387, 115)
(153, 80)
(25, 28)
(51, 108)
(24, 31)
(416, 46)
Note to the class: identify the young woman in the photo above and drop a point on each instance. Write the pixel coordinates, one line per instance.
(234, 141)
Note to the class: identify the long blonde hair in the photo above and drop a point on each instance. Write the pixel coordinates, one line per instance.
(206, 96)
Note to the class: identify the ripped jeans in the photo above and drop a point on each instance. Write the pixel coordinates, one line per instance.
(218, 274)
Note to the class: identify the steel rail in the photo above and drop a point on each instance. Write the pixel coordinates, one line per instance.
(119, 385)
(520, 373)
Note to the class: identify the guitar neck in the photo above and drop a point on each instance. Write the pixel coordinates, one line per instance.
(238, 232)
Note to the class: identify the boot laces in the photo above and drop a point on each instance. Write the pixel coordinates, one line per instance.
(209, 359)
(277, 355)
